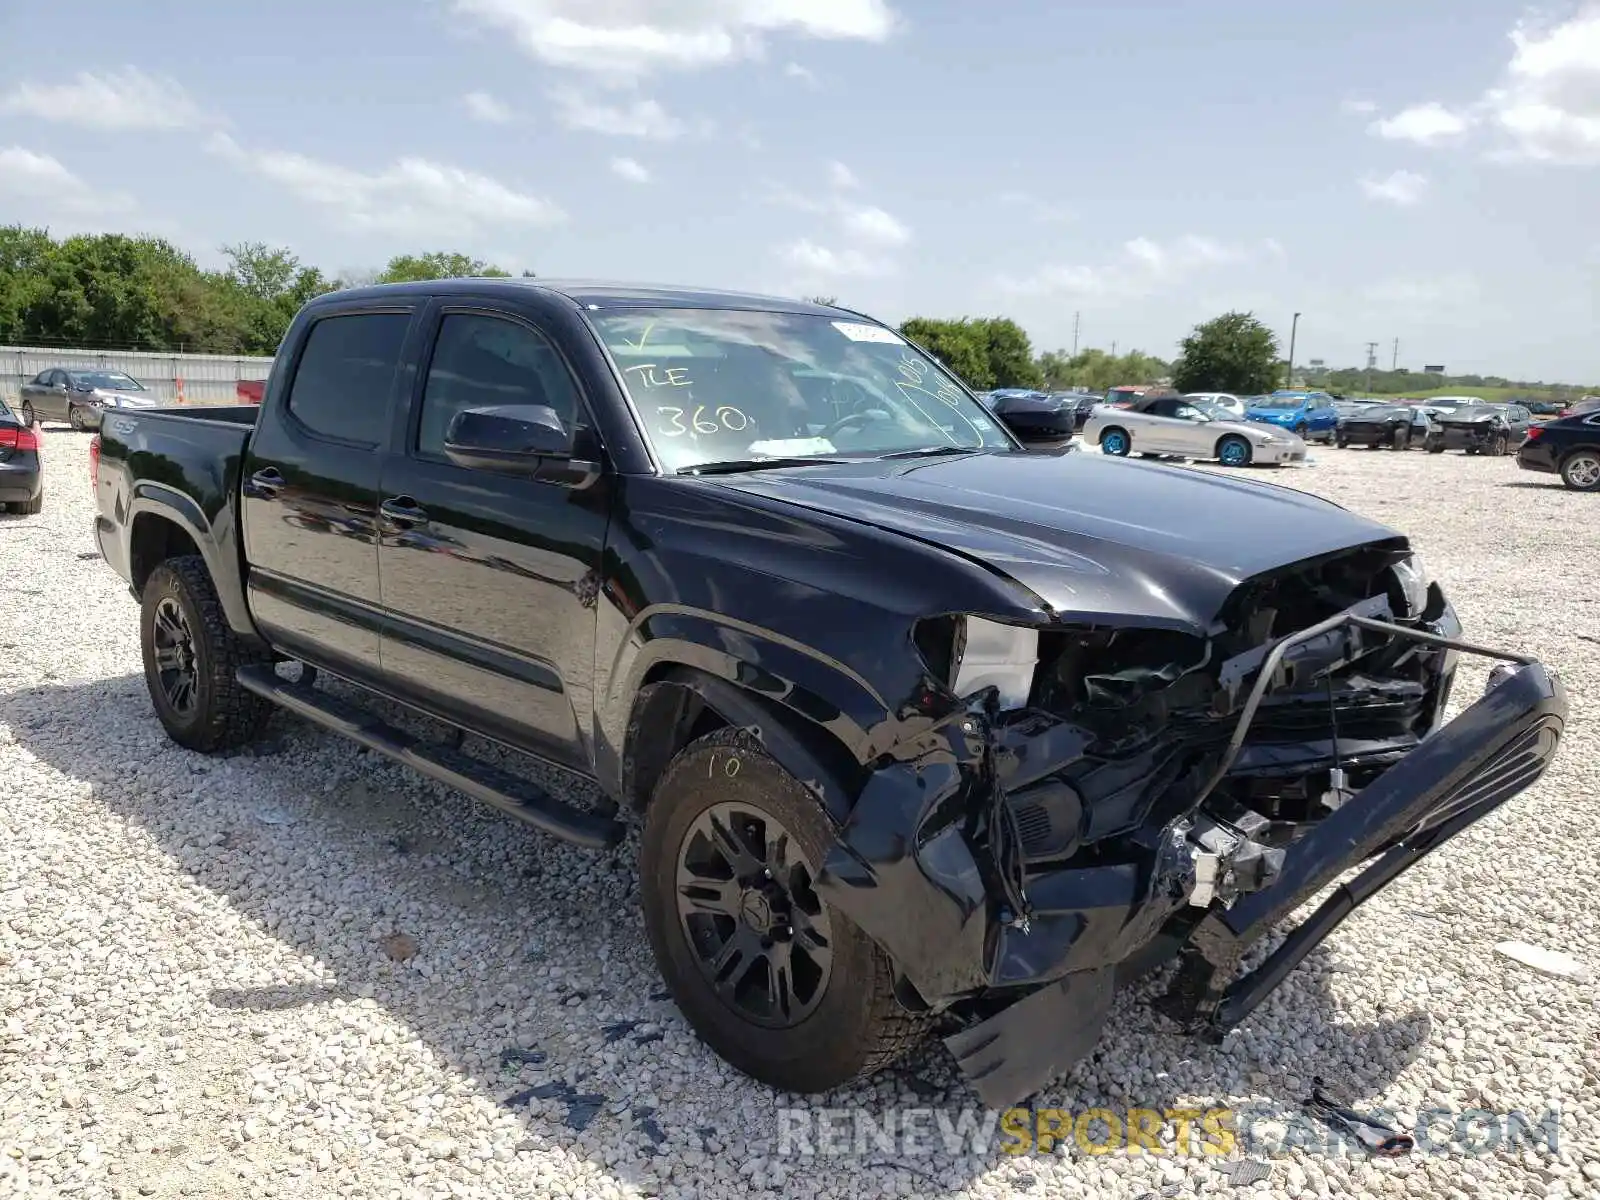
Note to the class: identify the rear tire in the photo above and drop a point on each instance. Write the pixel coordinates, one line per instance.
(1115, 441)
(1580, 471)
(191, 660)
(844, 1027)
(32, 507)
(27, 415)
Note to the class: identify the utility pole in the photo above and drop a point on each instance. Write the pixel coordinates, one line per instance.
(1372, 361)
(1075, 319)
(1293, 330)
(1394, 359)
(1113, 349)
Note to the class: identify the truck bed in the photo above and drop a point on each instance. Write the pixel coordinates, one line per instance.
(183, 459)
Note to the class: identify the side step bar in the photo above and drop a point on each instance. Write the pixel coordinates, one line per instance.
(521, 799)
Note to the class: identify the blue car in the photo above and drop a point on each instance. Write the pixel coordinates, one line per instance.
(1309, 414)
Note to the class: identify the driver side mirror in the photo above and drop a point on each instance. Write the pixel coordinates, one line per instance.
(518, 439)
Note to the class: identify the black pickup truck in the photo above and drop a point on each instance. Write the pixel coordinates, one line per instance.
(923, 731)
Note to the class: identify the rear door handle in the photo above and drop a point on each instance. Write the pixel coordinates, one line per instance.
(403, 513)
(267, 482)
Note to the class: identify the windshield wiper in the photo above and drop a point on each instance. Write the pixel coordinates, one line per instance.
(734, 465)
(932, 451)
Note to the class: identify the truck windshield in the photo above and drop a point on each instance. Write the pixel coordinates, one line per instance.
(722, 385)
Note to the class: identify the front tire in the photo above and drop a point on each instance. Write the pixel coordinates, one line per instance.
(778, 984)
(1234, 451)
(1502, 445)
(1115, 441)
(1580, 471)
(191, 658)
(27, 414)
(75, 418)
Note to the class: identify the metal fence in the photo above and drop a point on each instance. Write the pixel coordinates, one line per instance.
(195, 378)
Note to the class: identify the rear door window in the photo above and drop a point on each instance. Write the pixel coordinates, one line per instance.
(343, 385)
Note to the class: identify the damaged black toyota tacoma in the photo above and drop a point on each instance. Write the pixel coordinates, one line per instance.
(924, 732)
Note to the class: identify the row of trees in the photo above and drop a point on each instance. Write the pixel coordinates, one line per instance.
(143, 293)
(114, 291)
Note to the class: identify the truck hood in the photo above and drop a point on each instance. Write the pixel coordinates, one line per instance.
(1092, 538)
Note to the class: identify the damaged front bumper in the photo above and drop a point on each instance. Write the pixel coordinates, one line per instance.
(1027, 961)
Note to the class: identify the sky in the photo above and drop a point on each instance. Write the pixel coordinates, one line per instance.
(1426, 171)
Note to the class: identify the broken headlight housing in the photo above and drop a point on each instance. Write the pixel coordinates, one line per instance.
(1415, 580)
(971, 653)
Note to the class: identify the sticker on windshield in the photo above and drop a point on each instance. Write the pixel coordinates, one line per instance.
(788, 447)
(859, 331)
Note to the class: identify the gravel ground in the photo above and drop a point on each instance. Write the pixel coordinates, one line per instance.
(302, 972)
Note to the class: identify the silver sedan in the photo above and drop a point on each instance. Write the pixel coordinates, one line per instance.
(1188, 428)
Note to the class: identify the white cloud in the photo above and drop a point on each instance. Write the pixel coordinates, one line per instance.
(1425, 124)
(1549, 102)
(481, 106)
(627, 39)
(1404, 188)
(867, 235)
(639, 118)
(1144, 266)
(812, 260)
(873, 225)
(793, 70)
(28, 175)
(412, 196)
(1545, 107)
(125, 99)
(630, 169)
(1359, 108)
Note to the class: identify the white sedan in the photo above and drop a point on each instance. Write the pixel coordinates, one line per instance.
(1225, 400)
(1187, 428)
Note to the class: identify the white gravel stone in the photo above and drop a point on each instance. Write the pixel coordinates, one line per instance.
(196, 998)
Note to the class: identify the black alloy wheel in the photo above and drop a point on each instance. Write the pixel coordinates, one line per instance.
(748, 909)
(175, 657)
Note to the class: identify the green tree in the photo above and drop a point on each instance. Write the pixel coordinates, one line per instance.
(1231, 353)
(438, 264)
(986, 352)
(1097, 370)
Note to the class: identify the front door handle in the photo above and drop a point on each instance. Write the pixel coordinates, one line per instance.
(403, 513)
(266, 483)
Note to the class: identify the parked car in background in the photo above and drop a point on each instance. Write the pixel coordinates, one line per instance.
(1083, 404)
(1308, 415)
(21, 469)
(79, 397)
(918, 731)
(1566, 446)
(1037, 418)
(1578, 407)
(1126, 394)
(1397, 426)
(1189, 429)
(1481, 429)
(1226, 400)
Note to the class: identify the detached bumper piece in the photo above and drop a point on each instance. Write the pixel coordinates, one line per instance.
(1488, 754)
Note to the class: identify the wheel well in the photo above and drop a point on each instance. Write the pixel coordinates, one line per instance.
(1229, 437)
(155, 539)
(1110, 429)
(678, 705)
